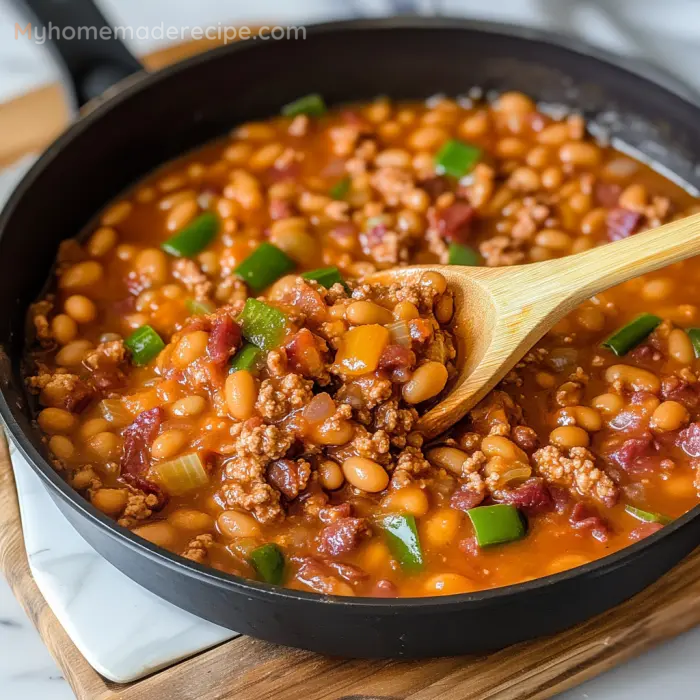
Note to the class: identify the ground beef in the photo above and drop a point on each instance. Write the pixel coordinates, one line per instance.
(255, 496)
(365, 392)
(497, 414)
(255, 439)
(278, 397)
(198, 548)
(394, 421)
(60, 389)
(139, 506)
(39, 314)
(501, 250)
(410, 463)
(577, 472)
(191, 275)
(392, 183)
(112, 353)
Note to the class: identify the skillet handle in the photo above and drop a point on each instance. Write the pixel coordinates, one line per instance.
(92, 56)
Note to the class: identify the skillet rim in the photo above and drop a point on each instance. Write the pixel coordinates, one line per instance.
(207, 575)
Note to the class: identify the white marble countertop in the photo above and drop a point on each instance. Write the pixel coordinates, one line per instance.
(665, 33)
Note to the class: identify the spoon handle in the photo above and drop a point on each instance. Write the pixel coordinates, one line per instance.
(576, 278)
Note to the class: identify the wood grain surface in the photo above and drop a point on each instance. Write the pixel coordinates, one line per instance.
(31, 121)
(247, 669)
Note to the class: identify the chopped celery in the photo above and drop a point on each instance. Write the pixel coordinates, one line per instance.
(261, 324)
(265, 265)
(144, 344)
(181, 474)
(194, 237)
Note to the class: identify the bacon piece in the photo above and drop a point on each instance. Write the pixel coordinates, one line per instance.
(435, 186)
(396, 357)
(628, 455)
(107, 381)
(622, 223)
(349, 572)
(454, 223)
(280, 209)
(329, 514)
(644, 530)
(289, 477)
(583, 517)
(138, 437)
(384, 589)
(304, 354)
(689, 440)
(533, 497)
(465, 498)
(525, 438)
(469, 546)
(303, 297)
(342, 536)
(288, 171)
(674, 388)
(316, 576)
(607, 194)
(224, 339)
(560, 497)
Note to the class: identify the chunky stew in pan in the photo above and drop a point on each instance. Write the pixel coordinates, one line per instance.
(212, 372)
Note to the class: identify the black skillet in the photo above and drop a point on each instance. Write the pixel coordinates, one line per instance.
(149, 119)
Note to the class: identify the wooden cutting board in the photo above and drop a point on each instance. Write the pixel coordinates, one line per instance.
(245, 668)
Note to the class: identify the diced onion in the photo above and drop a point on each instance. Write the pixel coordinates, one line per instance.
(319, 408)
(400, 333)
(182, 474)
(115, 412)
(517, 474)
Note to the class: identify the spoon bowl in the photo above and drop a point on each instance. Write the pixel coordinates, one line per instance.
(500, 313)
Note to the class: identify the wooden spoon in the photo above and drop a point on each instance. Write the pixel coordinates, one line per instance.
(500, 313)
